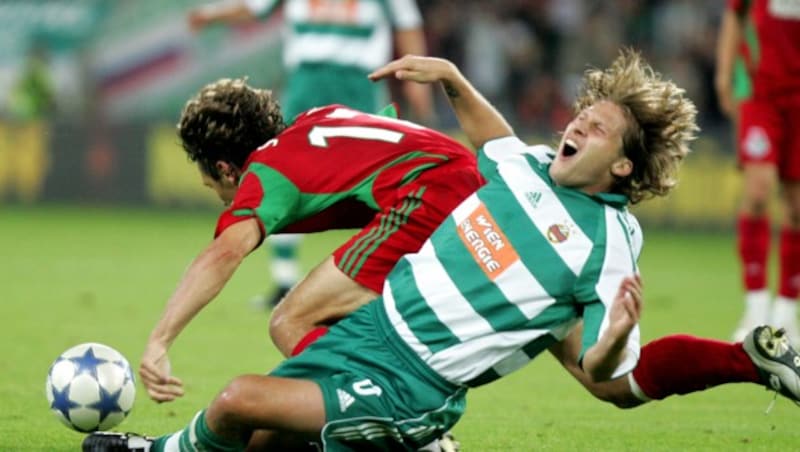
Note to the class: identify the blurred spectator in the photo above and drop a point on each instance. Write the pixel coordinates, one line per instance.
(24, 158)
(32, 96)
(526, 54)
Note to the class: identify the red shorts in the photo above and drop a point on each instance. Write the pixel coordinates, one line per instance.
(402, 228)
(769, 132)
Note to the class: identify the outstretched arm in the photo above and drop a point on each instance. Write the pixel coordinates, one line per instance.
(600, 361)
(419, 96)
(727, 44)
(477, 117)
(203, 280)
(220, 12)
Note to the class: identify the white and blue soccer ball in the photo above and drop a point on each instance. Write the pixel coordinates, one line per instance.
(90, 387)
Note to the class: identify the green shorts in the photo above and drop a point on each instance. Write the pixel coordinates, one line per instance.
(314, 85)
(377, 395)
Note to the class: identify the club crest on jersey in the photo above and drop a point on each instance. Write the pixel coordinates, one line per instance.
(756, 142)
(558, 233)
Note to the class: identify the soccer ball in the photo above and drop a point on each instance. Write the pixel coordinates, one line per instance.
(90, 387)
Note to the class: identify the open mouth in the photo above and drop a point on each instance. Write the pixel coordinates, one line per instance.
(569, 149)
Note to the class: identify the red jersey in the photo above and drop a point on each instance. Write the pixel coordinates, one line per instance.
(334, 168)
(774, 53)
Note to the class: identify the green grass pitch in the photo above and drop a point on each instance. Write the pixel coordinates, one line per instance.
(72, 275)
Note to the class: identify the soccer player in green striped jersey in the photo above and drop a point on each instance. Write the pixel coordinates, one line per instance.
(674, 364)
(548, 242)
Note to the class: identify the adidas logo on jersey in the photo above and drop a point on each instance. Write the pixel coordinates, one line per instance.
(345, 399)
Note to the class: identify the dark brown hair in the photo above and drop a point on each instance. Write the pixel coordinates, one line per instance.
(226, 121)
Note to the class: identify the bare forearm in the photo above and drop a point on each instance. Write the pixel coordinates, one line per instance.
(604, 357)
(477, 117)
(204, 279)
(225, 12)
(727, 44)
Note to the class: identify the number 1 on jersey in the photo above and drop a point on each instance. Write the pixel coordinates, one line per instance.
(318, 136)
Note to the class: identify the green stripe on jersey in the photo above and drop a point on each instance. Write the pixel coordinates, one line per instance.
(283, 195)
(585, 286)
(354, 258)
(410, 303)
(531, 349)
(484, 295)
(351, 30)
(537, 253)
(486, 166)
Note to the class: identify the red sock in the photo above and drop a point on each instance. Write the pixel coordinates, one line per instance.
(309, 339)
(754, 238)
(681, 364)
(790, 263)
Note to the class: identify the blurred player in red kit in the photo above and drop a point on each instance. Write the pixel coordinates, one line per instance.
(766, 33)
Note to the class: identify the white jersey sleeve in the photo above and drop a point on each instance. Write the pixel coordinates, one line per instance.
(501, 148)
(404, 14)
(261, 8)
(623, 245)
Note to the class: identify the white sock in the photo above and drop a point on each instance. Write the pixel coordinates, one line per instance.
(757, 306)
(784, 314)
(636, 390)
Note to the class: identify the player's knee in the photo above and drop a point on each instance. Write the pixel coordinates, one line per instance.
(793, 215)
(756, 204)
(232, 401)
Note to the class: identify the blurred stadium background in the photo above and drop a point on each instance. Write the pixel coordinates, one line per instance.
(90, 89)
(100, 212)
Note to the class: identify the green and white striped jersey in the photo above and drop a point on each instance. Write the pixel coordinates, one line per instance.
(356, 33)
(512, 270)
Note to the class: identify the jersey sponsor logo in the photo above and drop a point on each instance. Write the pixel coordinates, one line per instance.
(756, 142)
(333, 11)
(345, 399)
(486, 242)
(558, 233)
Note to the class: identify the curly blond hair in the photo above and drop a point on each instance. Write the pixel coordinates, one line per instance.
(226, 121)
(661, 122)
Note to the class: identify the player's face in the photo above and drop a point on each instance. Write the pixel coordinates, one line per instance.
(590, 154)
(224, 188)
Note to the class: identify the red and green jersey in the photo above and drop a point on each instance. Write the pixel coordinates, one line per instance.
(334, 168)
(771, 43)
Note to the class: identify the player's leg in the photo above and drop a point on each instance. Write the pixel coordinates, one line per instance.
(373, 399)
(271, 405)
(682, 364)
(358, 269)
(758, 157)
(784, 313)
(284, 268)
(324, 296)
(352, 276)
(251, 402)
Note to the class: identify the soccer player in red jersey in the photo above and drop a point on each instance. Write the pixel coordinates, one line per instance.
(767, 34)
(333, 168)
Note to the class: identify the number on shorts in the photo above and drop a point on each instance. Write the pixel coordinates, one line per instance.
(366, 387)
